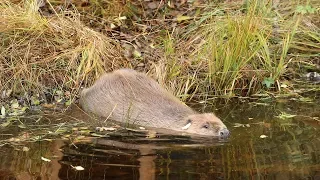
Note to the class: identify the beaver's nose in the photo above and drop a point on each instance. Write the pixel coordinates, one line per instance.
(224, 132)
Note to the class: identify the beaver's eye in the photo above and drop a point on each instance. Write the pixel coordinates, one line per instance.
(206, 126)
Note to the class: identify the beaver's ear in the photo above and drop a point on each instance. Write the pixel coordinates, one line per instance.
(189, 122)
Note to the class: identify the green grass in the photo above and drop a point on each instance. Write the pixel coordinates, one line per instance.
(249, 49)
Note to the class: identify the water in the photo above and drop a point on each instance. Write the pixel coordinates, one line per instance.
(261, 146)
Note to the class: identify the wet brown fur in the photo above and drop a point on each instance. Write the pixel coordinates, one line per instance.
(128, 96)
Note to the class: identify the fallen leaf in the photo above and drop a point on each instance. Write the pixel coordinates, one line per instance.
(97, 135)
(45, 159)
(284, 115)
(22, 126)
(263, 136)
(136, 54)
(267, 125)
(112, 26)
(68, 103)
(5, 124)
(25, 149)
(8, 93)
(153, 5)
(109, 128)
(3, 111)
(151, 134)
(75, 129)
(181, 18)
(35, 101)
(15, 104)
(238, 125)
(152, 46)
(48, 105)
(78, 168)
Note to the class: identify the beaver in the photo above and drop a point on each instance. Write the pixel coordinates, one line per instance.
(132, 97)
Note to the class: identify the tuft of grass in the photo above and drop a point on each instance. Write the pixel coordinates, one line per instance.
(239, 50)
(173, 71)
(247, 49)
(38, 53)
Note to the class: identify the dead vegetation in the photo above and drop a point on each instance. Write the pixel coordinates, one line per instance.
(57, 52)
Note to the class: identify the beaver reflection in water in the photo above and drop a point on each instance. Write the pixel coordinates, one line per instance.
(126, 95)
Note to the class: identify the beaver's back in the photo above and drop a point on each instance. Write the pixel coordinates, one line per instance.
(126, 95)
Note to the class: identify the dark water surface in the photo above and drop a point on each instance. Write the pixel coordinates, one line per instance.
(265, 143)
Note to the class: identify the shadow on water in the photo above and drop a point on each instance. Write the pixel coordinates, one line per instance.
(265, 143)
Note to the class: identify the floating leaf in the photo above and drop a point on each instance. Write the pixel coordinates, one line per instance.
(45, 159)
(78, 168)
(263, 136)
(238, 125)
(25, 149)
(261, 104)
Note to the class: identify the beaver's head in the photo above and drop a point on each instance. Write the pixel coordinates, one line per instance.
(206, 125)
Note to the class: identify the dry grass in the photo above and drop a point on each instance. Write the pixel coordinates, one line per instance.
(233, 49)
(39, 52)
